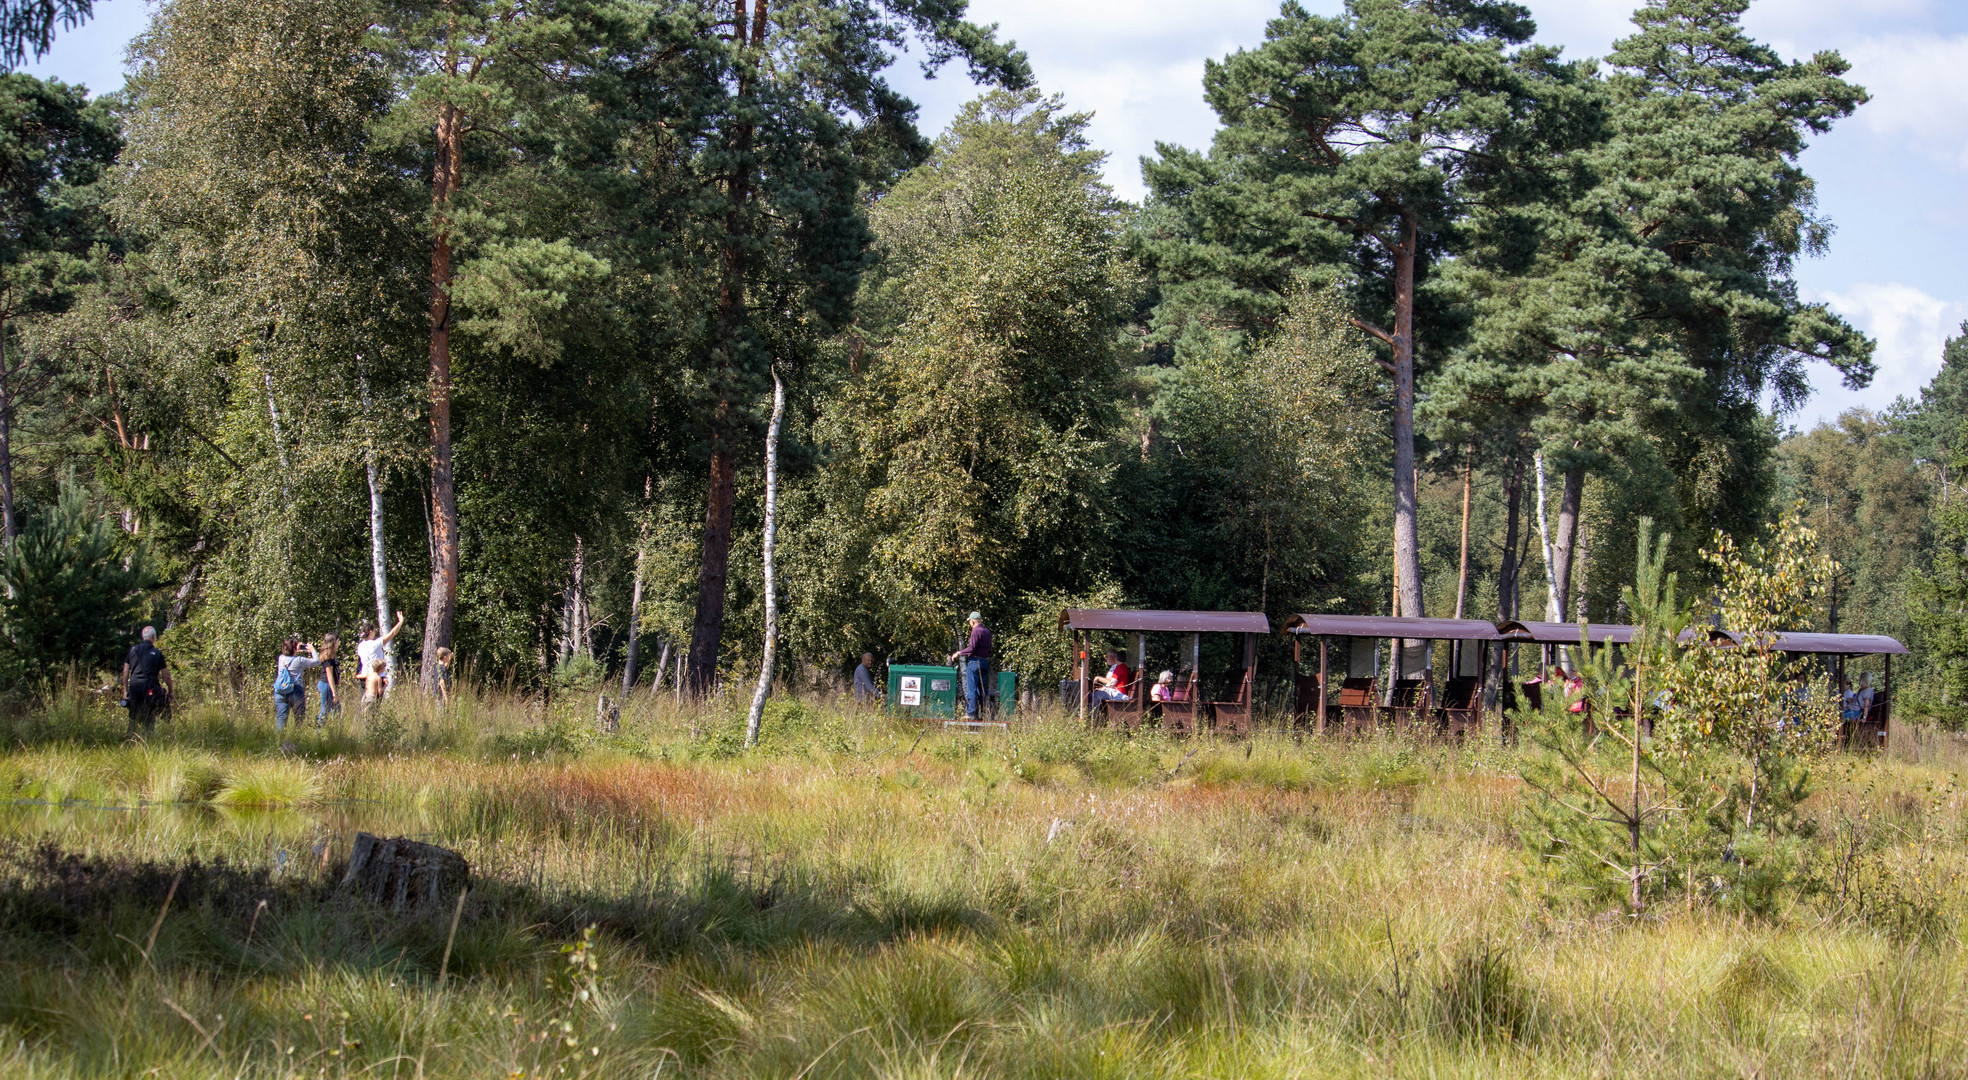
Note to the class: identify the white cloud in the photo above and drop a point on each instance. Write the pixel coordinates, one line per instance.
(1919, 88)
(1910, 326)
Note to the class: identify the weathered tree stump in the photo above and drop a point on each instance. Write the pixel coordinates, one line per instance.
(400, 873)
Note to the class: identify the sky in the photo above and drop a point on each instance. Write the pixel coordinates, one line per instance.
(1890, 178)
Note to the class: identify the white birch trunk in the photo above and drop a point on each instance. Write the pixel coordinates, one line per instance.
(279, 436)
(632, 653)
(1553, 611)
(378, 569)
(771, 655)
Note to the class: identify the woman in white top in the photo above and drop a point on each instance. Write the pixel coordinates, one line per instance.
(373, 659)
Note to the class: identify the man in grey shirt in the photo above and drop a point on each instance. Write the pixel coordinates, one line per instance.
(864, 679)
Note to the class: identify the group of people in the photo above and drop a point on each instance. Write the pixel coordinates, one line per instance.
(1118, 684)
(147, 686)
(1857, 701)
(372, 672)
(973, 660)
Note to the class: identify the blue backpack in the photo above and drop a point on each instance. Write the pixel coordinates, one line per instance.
(286, 684)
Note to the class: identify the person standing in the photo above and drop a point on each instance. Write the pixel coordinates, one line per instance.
(864, 679)
(329, 685)
(373, 659)
(146, 682)
(976, 658)
(290, 682)
(441, 677)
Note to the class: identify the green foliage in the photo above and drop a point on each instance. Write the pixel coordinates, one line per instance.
(74, 585)
(1711, 803)
(967, 465)
(1940, 598)
(1858, 484)
(1256, 491)
(1034, 647)
(1388, 112)
(28, 26)
(1932, 425)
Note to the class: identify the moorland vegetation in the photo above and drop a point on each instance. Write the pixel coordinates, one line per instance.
(857, 898)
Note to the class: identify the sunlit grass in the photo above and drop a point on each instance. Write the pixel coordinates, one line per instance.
(854, 901)
(269, 784)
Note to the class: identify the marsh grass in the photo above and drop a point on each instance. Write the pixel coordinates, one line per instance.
(854, 901)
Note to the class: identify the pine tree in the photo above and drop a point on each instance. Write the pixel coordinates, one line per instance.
(73, 585)
(1606, 798)
(1356, 141)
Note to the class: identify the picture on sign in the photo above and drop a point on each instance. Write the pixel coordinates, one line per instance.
(912, 690)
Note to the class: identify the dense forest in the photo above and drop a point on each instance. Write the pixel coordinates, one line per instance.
(473, 309)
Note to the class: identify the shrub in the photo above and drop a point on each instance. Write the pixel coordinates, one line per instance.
(73, 585)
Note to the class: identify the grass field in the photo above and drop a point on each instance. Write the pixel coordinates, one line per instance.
(851, 900)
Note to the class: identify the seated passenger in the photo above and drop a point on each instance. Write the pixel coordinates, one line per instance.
(1113, 686)
(1858, 703)
(1165, 688)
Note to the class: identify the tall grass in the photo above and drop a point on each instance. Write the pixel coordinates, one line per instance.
(853, 901)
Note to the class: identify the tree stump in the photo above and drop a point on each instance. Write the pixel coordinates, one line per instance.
(400, 873)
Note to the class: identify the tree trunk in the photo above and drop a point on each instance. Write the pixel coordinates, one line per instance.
(1407, 542)
(378, 568)
(441, 613)
(630, 653)
(1513, 497)
(1566, 544)
(574, 608)
(1462, 574)
(1554, 609)
(770, 656)
(7, 525)
(279, 436)
(181, 600)
(707, 630)
(1513, 493)
(1636, 819)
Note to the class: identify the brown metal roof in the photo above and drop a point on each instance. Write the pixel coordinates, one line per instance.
(1172, 622)
(1559, 633)
(1804, 642)
(1388, 626)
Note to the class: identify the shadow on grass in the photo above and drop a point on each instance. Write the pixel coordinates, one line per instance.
(123, 912)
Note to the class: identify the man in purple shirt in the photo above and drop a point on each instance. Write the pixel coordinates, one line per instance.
(976, 658)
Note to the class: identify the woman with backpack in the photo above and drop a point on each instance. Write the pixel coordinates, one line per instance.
(290, 682)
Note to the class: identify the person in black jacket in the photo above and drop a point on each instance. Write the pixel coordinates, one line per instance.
(146, 682)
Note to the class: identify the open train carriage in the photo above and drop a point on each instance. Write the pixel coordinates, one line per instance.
(1549, 638)
(1187, 709)
(1868, 730)
(1357, 704)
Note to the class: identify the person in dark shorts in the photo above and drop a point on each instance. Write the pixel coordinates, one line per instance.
(329, 686)
(146, 682)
